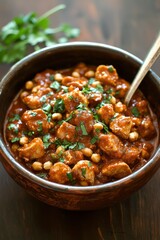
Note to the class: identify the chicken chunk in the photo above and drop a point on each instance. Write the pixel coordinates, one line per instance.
(111, 145)
(94, 98)
(83, 119)
(122, 88)
(36, 99)
(78, 82)
(116, 169)
(121, 126)
(130, 155)
(43, 78)
(146, 128)
(106, 75)
(106, 112)
(36, 120)
(72, 157)
(58, 173)
(142, 107)
(73, 99)
(32, 150)
(66, 131)
(84, 172)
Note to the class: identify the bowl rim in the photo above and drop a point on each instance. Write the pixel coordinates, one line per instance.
(61, 187)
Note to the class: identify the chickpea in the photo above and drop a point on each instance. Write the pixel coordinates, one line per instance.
(59, 150)
(120, 107)
(95, 157)
(24, 94)
(75, 74)
(56, 116)
(23, 140)
(47, 165)
(113, 100)
(98, 126)
(58, 77)
(87, 152)
(35, 89)
(89, 74)
(29, 85)
(133, 136)
(37, 166)
(94, 84)
(136, 121)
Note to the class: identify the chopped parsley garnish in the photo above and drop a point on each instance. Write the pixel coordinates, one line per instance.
(83, 129)
(83, 170)
(16, 117)
(33, 114)
(81, 106)
(49, 117)
(117, 92)
(105, 127)
(59, 106)
(94, 139)
(46, 138)
(110, 69)
(135, 111)
(47, 107)
(69, 145)
(69, 176)
(91, 80)
(86, 89)
(13, 127)
(55, 85)
(61, 159)
(105, 101)
(16, 139)
(43, 98)
(40, 128)
(30, 133)
(67, 119)
(64, 88)
(51, 77)
(70, 97)
(89, 164)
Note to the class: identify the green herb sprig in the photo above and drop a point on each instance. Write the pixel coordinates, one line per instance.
(27, 32)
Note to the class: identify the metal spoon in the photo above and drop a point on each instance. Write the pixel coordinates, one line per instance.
(148, 62)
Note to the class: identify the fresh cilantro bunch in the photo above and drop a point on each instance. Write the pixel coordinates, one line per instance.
(30, 31)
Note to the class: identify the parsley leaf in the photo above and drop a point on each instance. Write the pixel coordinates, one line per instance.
(83, 129)
(83, 170)
(69, 145)
(15, 117)
(55, 85)
(26, 31)
(135, 112)
(59, 106)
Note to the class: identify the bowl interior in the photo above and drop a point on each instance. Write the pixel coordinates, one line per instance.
(67, 55)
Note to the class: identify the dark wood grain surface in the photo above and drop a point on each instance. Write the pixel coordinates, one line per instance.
(133, 26)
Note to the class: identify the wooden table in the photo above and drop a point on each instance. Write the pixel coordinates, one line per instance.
(133, 26)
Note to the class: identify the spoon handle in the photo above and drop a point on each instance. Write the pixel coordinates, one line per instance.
(148, 62)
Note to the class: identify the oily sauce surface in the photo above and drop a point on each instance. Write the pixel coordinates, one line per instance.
(71, 126)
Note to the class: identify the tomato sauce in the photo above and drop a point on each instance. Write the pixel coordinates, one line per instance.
(72, 127)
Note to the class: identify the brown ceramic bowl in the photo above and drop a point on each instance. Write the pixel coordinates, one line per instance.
(62, 56)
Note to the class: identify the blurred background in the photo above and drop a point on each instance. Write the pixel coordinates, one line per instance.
(131, 25)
